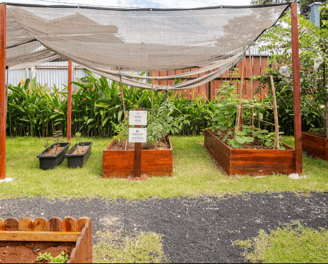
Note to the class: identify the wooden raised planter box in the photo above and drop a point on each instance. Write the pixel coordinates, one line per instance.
(250, 161)
(49, 233)
(315, 145)
(120, 163)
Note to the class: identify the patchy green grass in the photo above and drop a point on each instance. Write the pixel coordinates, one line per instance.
(140, 248)
(195, 174)
(292, 244)
(116, 245)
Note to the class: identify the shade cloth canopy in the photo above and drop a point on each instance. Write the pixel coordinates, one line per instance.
(105, 39)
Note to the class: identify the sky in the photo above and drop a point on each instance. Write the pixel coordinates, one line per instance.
(140, 3)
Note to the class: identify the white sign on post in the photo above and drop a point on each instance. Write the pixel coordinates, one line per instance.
(138, 118)
(137, 135)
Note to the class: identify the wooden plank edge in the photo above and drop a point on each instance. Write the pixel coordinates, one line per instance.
(39, 236)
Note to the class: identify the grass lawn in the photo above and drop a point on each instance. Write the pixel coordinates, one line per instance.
(195, 174)
(290, 244)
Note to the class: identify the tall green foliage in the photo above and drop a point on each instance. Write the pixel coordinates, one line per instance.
(96, 108)
(35, 110)
(313, 64)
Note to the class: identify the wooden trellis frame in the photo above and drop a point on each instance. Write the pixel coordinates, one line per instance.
(275, 112)
(296, 93)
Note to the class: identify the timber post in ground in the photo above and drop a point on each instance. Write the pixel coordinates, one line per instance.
(137, 155)
(69, 102)
(297, 90)
(3, 96)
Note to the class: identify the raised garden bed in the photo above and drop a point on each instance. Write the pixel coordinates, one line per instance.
(22, 241)
(317, 146)
(51, 161)
(77, 156)
(250, 161)
(120, 163)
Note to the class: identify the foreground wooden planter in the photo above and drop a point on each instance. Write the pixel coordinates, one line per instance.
(55, 230)
(120, 163)
(315, 145)
(250, 161)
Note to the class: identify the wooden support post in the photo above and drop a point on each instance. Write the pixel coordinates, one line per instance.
(3, 97)
(297, 90)
(137, 155)
(69, 101)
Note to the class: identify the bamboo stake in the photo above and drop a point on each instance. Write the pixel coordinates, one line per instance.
(275, 112)
(259, 119)
(252, 87)
(239, 109)
(119, 69)
(262, 121)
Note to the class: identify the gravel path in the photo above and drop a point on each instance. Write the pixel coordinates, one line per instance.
(195, 230)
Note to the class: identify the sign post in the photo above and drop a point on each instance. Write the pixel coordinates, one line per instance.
(137, 135)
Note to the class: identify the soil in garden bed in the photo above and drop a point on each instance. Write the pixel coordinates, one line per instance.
(256, 144)
(27, 252)
(81, 150)
(144, 146)
(54, 151)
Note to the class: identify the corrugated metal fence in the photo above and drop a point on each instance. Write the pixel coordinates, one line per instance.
(51, 73)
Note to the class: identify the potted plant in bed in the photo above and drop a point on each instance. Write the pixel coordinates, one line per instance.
(241, 148)
(54, 155)
(156, 154)
(78, 154)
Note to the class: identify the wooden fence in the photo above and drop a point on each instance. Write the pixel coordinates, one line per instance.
(209, 90)
(53, 230)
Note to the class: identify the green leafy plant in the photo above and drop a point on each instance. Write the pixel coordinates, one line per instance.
(225, 108)
(78, 136)
(61, 258)
(46, 144)
(57, 137)
(242, 138)
(45, 256)
(96, 107)
(225, 114)
(165, 122)
(122, 131)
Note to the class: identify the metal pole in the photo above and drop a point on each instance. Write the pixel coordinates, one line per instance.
(69, 101)
(3, 98)
(297, 90)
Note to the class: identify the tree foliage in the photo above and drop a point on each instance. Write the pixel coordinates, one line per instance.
(304, 4)
(313, 44)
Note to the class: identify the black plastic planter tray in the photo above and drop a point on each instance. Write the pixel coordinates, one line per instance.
(51, 161)
(77, 160)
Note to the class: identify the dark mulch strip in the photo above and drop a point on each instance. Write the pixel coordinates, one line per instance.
(195, 230)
